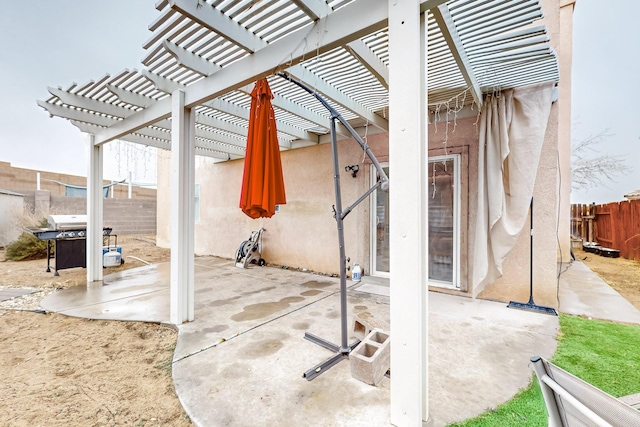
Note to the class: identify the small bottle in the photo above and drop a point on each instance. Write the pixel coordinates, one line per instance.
(356, 274)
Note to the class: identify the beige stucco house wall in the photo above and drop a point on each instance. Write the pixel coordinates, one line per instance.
(303, 234)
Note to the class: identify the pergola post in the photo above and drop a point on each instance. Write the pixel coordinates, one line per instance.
(95, 204)
(182, 209)
(408, 213)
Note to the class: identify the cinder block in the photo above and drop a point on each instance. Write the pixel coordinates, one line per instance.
(364, 322)
(370, 360)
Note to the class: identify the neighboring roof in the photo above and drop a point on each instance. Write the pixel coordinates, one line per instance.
(10, 193)
(634, 195)
(216, 49)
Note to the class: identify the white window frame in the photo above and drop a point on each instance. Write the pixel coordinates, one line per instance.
(455, 284)
(196, 203)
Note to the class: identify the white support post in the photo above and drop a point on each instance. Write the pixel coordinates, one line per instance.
(408, 164)
(95, 204)
(182, 209)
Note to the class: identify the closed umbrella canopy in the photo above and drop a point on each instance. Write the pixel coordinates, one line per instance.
(262, 182)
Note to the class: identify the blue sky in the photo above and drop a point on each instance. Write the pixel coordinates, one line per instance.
(606, 42)
(51, 43)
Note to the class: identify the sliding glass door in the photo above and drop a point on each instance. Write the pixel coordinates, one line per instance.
(444, 223)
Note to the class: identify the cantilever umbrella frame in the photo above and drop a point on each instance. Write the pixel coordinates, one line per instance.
(342, 351)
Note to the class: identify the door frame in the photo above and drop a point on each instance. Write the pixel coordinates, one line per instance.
(456, 279)
(373, 226)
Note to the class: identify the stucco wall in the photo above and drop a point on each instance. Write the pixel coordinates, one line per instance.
(564, 46)
(303, 234)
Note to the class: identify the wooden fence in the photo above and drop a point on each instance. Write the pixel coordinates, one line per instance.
(614, 225)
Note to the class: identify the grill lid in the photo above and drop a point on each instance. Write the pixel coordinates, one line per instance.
(67, 222)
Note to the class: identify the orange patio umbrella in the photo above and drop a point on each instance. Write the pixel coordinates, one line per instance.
(262, 182)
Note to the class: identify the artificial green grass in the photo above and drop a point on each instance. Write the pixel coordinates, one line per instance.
(602, 353)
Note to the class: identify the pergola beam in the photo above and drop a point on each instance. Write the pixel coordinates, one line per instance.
(349, 23)
(91, 104)
(211, 18)
(314, 9)
(156, 139)
(131, 97)
(448, 28)
(370, 61)
(79, 115)
(319, 84)
(162, 83)
(220, 105)
(243, 113)
(190, 60)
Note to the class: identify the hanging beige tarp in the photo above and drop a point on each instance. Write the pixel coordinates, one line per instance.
(512, 128)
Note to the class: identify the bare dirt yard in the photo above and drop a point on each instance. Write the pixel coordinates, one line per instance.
(621, 274)
(64, 371)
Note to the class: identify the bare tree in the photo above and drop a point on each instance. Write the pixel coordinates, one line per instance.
(589, 168)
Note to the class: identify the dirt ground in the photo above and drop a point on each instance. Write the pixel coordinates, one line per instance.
(64, 371)
(621, 274)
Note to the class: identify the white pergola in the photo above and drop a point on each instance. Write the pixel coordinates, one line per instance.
(380, 63)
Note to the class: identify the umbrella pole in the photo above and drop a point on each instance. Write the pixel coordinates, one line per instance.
(342, 351)
(337, 212)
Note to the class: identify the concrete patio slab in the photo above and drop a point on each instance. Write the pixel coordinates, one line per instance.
(241, 361)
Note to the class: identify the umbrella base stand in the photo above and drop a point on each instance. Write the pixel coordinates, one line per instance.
(340, 354)
(342, 351)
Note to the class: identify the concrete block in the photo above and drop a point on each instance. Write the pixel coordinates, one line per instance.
(364, 322)
(370, 360)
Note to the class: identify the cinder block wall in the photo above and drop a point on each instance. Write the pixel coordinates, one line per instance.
(21, 180)
(124, 216)
(130, 216)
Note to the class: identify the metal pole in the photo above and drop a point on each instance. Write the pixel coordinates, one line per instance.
(344, 346)
(531, 254)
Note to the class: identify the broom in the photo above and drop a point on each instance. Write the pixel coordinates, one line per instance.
(531, 305)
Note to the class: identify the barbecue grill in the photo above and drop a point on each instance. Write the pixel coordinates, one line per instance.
(67, 234)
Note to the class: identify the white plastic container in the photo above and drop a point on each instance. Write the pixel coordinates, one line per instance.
(356, 274)
(111, 256)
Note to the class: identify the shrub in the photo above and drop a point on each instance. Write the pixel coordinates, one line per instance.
(27, 246)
